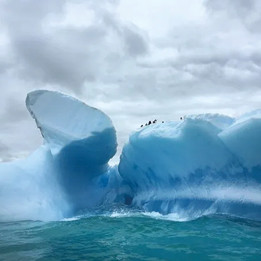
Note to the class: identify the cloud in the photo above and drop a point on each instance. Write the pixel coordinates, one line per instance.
(246, 11)
(161, 59)
(70, 55)
(4, 152)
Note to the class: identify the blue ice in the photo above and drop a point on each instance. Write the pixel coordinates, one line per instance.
(204, 164)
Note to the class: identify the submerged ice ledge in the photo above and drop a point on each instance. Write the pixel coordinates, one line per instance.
(205, 164)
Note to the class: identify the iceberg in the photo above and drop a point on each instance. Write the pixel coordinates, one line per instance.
(196, 167)
(220, 121)
(64, 174)
(204, 164)
(243, 138)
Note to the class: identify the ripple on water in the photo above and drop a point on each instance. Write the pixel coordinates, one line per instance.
(132, 236)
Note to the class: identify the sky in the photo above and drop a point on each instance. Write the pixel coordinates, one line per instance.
(134, 60)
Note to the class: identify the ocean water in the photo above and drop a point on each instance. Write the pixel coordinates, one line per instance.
(130, 235)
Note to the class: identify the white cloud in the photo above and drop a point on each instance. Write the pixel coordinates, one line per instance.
(135, 60)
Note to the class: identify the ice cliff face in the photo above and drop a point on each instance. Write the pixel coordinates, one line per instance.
(64, 174)
(64, 120)
(205, 164)
(243, 138)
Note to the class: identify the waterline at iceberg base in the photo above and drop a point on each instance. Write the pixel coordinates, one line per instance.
(187, 190)
(203, 165)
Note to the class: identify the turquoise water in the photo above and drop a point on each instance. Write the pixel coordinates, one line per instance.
(131, 236)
